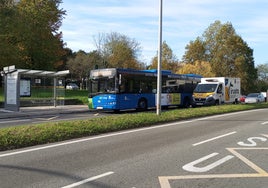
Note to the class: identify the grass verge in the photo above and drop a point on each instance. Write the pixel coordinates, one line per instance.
(30, 135)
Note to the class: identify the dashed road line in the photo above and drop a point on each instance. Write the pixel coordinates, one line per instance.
(211, 139)
(263, 123)
(88, 180)
(47, 119)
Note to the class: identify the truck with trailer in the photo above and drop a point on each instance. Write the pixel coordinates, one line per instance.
(216, 90)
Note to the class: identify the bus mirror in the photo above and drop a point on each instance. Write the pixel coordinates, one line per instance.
(120, 81)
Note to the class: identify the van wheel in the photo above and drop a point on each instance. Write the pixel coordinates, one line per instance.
(142, 104)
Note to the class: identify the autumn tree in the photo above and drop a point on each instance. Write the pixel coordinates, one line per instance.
(118, 50)
(62, 63)
(202, 68)
(227, 52)
(29, 33)
(195, 51)
(169, 60)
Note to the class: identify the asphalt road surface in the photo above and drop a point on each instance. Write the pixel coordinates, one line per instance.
(43, 118)
(220, 151)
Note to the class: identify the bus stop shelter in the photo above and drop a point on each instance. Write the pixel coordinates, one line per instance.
(16, 84)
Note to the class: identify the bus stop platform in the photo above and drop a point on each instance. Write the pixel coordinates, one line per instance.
(42, 110)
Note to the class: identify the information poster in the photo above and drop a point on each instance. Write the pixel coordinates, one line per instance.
(25, 87)
(11, 94)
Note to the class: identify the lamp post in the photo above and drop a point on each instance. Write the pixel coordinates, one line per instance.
(159, 71)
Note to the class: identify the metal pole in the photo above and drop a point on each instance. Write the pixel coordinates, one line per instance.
(55, 92)
(159, 71)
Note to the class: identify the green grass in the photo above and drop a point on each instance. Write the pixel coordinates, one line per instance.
(41, 93)
(1, 94)
(81, 95)
(30, 135)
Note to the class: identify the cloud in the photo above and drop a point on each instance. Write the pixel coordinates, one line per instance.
(182, 21)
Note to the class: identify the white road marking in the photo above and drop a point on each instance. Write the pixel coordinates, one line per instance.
(14, 121)
(88, 180)
(192, 168)
(251, 141)
(42, 120)
(211, 139)
(266, 122)
(48, 119)
(245, 160)
(118, 133)
(164, 180)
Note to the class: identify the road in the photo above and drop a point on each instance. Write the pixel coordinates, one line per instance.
(43, 118)
(220, 151)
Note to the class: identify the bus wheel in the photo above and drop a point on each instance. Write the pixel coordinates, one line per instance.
(142, 104)
(117, 111)
(186, 103)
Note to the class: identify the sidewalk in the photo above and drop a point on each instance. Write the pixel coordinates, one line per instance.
(43, 110)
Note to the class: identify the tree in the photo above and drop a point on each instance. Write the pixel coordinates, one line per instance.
(30, 34)
(262, 82)
(198, 67)
(118, 50)
(227, 53)
(263, 72)
(195, 51)
(82, 62)
(169, 60)
(62, 63)
(9, 50)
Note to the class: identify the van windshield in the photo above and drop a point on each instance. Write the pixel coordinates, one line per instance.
(205, 88)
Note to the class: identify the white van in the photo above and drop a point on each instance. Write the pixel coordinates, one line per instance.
(264, 94)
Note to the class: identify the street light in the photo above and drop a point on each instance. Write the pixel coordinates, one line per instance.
(159, 71)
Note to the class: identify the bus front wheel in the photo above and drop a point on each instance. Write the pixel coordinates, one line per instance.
(142, 104)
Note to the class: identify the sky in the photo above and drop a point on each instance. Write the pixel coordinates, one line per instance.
(182, 22)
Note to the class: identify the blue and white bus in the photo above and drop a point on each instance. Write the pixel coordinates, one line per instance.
(122, 89)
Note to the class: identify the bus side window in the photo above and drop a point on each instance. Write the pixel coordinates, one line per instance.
(123, 87)
(136, 86)
(176, 89)
(130, 86)
(181, 88)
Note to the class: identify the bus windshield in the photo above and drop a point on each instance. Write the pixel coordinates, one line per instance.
(103, 85)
